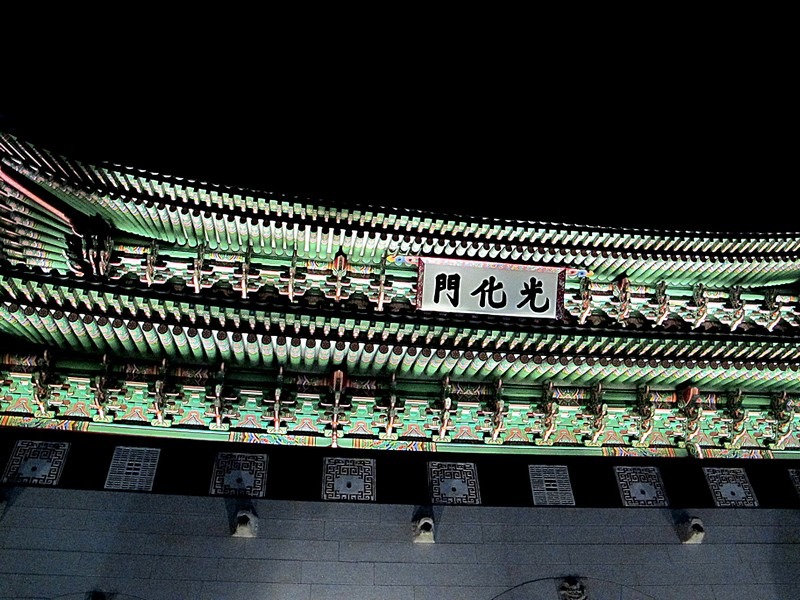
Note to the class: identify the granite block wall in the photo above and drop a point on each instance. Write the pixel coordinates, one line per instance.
(65, 544)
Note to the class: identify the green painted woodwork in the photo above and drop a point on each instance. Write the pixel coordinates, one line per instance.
(297, 408)
(219, 313)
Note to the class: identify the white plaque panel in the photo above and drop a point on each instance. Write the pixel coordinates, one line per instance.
(468, 286)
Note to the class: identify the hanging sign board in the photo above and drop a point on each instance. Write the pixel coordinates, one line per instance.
(466, 286)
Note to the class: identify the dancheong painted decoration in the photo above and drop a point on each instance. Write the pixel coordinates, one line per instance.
(138, 303)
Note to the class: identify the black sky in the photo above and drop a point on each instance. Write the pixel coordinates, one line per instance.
(698, 150)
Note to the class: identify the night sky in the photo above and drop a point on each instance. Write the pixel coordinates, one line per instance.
(699, 161)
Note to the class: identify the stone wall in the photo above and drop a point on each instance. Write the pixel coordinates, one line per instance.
(65, 544)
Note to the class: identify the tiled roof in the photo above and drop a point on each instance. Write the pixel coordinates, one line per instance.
(108, 265)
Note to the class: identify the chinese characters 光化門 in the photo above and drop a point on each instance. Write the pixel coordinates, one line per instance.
(490, 291)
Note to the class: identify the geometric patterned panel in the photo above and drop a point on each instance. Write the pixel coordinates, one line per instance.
(36, 462)
(730, 487)
(240, 474)
(640, 486)
(550, 485)
(349, 479)
(453, 483)
(132, 469)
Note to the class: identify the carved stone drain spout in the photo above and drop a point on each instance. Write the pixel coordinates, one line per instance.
(571, 588)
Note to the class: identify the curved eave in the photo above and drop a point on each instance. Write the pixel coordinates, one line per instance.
(115, 191)
(316, 342)
(755, 262)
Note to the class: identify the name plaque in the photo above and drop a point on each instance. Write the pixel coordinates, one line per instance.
(477, 287)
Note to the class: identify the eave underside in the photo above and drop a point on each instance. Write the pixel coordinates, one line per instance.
(413, 397)
(133, 302)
